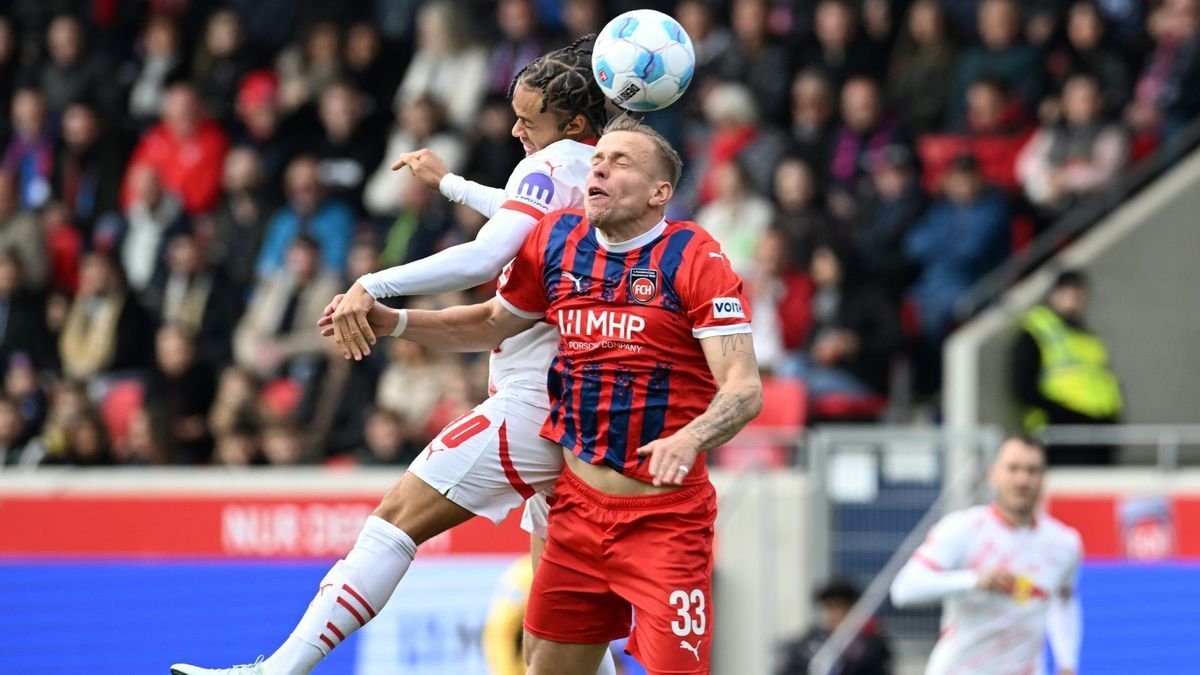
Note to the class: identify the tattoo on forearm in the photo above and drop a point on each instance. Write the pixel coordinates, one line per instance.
(726, 416)
(732, 343)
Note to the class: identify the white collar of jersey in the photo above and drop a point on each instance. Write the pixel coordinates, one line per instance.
(630, 244)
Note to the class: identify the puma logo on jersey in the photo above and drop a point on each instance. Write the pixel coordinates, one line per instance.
(553, 166)
(684, 644)
(728, 308)
(718, 255)
(575, 280)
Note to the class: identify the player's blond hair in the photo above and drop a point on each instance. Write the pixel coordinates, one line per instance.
(668, 157)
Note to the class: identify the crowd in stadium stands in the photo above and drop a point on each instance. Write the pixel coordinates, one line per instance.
(185, 184)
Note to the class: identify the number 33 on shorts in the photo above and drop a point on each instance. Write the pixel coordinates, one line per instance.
(690, 608)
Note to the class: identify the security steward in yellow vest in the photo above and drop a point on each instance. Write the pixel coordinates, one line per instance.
(1061, 372)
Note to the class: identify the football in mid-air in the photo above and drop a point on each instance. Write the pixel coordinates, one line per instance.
(643, 60)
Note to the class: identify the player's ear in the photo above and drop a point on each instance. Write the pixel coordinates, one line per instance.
(575, 126)
(662, 194)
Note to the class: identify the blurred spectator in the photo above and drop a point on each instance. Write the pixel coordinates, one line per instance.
(106, 330)
(159, 59)
(1000, 54)
(417, 230)
(29, 156)
(237, 448)
(238, 224)
(179, 395)
(22, 314)
(1165, 95)
(412, 385)
(346, 150)
(838, 49)
(197, 299)
(736, 217)
(1061, 372)
(1065, 162)
(152, 218)
(186, 149)
(520, 42)
(374, 71)
(756, 59)
(736, 134)
(283, 445)
(920, 67)
(581, 17)
(336, 410)
(867, 654)
(421, 125)
(813, 117)
(384, 440)
(709, 37)
(262, 130)
(21, 386)
(21, 234)
(448, 64)
(892, 202)
(10, 66)
(87, 442)
(992, 112)
(220, 61)
(13, 435)
(781, 294)
(493, 152)
(142, 444)
(854, 332)
(87, 166)
(235, 406)
(865, 130)
(307, 212)
(69, 401)
(72, 72)
(276, 335)
(306, 69)
(1089, 50)
(963, 235)
(800, 208)
(64, 245)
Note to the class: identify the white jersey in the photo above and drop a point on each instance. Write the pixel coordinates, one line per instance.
(987, 633)
(551, 179)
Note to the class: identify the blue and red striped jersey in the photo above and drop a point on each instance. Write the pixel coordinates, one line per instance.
(630, 316)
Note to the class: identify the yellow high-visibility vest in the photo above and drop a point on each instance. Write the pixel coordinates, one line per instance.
(1074, 372)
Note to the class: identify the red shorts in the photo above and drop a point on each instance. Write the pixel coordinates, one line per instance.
(609, 558)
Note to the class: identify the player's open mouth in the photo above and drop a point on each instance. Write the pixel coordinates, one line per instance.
(596, 192)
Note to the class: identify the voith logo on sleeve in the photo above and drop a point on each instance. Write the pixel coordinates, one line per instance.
(536, 189)
(728, 308)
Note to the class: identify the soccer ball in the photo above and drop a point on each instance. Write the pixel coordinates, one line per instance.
(643, 60)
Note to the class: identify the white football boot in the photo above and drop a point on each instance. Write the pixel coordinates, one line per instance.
(255, 668)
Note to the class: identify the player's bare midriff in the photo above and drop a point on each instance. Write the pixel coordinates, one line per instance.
(606, 480)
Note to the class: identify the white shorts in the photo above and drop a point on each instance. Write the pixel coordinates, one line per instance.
(492, 459)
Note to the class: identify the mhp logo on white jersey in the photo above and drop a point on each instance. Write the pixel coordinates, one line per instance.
(609, 324)
(728, 308)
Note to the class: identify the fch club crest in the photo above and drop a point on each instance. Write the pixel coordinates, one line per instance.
(643, 284)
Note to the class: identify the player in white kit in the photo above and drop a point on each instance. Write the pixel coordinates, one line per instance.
(1005, 575)
(492, 459)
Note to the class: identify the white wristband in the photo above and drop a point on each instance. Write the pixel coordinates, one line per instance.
(401, 324)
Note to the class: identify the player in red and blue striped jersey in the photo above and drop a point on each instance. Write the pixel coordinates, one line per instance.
(655, 366)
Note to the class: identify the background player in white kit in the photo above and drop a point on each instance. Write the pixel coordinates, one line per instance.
(1005, 574)
(491, 460)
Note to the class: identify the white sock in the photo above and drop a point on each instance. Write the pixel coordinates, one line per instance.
(609, 665)
(350, 595)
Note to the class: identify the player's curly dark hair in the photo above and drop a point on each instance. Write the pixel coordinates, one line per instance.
(564, 76)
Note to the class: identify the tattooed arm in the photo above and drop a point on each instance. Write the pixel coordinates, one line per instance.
(738, 400)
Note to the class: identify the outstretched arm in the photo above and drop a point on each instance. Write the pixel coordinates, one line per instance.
(738, 400)
(918, 583)
(465, 328)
